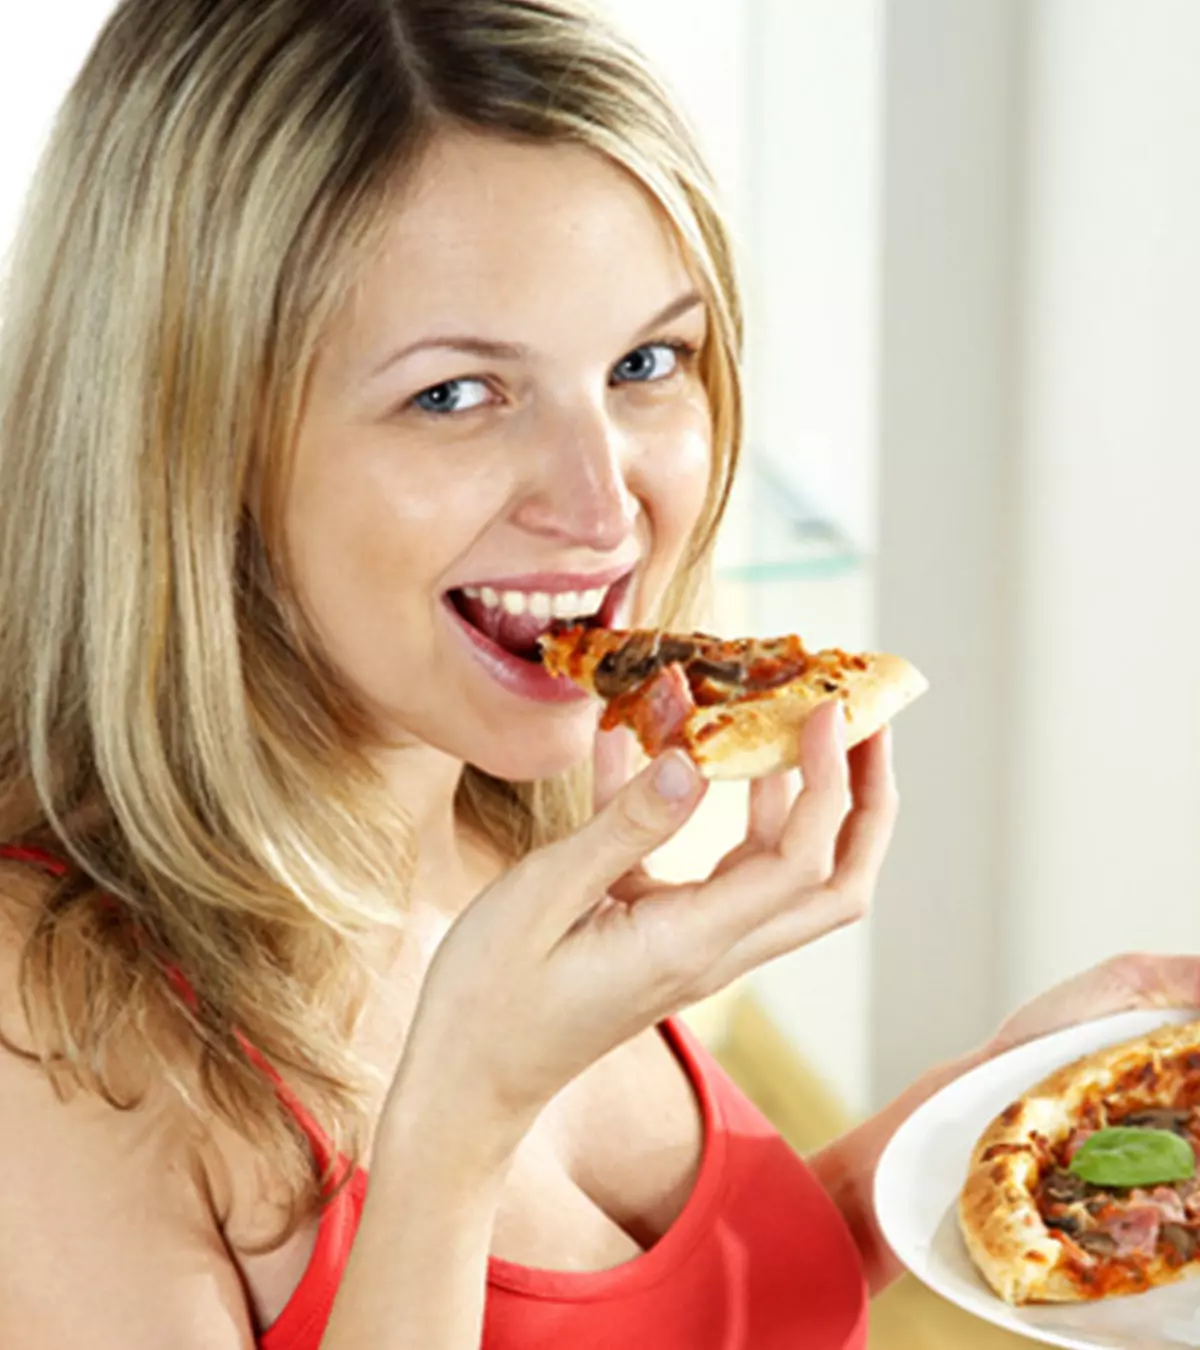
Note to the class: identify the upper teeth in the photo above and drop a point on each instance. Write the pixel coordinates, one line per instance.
(541, 604)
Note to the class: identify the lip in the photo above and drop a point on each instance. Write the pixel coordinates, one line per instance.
(552, 582)
(523, 678)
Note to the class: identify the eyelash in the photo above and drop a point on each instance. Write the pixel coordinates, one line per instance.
(686, 352)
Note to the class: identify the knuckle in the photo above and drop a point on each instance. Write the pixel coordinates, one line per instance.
(831, 791)
(711, 982)
(681, 958)
(632, 821)
(809, 858)
(536, 867)
(678, 984)
(852, 904)
(1131, 968)
(673, 982)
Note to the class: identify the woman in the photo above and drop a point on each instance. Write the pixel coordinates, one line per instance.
(345, 345)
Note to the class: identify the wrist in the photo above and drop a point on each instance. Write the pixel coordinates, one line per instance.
(459, 1137)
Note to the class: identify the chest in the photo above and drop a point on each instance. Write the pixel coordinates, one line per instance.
(604, 1173)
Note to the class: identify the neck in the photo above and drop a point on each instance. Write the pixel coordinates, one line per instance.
(453, 864)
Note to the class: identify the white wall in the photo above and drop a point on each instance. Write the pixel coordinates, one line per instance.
(816, 125)
(41, 48)
(1041, 469)
(946, 559)
(700, 48)
(1106, 801)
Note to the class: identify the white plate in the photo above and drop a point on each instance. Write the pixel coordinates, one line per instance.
(922, 1171)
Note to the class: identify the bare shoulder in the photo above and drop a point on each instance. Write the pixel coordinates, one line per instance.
(109, 1236)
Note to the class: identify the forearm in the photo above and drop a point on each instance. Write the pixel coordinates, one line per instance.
(846, 1168)
(417, 1275)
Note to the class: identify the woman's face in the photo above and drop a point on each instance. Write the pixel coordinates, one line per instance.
(506, 425)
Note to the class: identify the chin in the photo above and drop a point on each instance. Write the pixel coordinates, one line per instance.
(541, 752)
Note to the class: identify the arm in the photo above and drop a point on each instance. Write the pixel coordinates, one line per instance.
(846, 1168)
(417, 1275)
(110, 1239)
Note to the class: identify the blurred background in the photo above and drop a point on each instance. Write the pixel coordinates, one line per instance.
(970, 238)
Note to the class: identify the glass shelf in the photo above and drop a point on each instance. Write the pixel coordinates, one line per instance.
(779, 539)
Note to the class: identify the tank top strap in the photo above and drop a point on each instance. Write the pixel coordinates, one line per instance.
(24, 853)
(317, 1139)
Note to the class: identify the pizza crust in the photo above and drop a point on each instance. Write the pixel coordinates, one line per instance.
(997, 1210)
(761, 735)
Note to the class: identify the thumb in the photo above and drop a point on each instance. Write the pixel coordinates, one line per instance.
(642, 815)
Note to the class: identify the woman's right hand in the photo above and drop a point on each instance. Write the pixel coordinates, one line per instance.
(576, 949)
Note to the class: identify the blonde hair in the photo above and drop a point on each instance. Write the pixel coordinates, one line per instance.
(216, 178)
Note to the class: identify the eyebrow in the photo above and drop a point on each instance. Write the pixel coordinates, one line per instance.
(514, 351)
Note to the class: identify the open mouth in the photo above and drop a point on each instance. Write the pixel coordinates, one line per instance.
(514, 620)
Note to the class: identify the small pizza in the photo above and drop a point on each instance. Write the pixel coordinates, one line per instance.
(1085, 1187)
(736, 707)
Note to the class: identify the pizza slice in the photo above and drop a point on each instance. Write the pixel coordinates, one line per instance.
(1085, 1187)
(736, 707)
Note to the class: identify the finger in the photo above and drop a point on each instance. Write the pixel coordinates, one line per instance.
(787, 899)
(861, 847)
(810, 831)
(612, 764)
(800, 852)
(771, 799)
(867, 831)
(594, 914)
(636, 884)
(818, 912)
(1161, 981)
(642, 816)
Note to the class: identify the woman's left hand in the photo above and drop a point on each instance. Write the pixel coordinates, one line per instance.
(1131, 980)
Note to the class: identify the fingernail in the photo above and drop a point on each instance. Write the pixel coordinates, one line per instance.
(674, 777)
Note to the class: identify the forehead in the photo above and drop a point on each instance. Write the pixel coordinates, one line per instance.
(519, 241)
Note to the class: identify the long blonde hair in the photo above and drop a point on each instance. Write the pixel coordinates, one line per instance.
(216, 178)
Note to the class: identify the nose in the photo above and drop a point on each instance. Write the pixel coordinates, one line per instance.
(582, 496)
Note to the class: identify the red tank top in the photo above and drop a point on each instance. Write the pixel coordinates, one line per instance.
(759, 1259)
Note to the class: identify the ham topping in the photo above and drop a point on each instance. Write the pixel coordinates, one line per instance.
(1164, 1199)
(1076, 1141)
(657, 711)
(1135, 1230)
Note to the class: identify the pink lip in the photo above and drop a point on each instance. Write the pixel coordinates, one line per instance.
(551, 582)
(520, 677)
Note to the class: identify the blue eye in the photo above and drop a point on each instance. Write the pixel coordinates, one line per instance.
(646, 364)
(452, 396)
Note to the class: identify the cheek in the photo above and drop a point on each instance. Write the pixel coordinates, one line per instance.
(675, 481)
(686, 473)
(371, 531)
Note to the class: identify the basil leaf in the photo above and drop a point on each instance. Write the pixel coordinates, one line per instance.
(1128, 1156)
